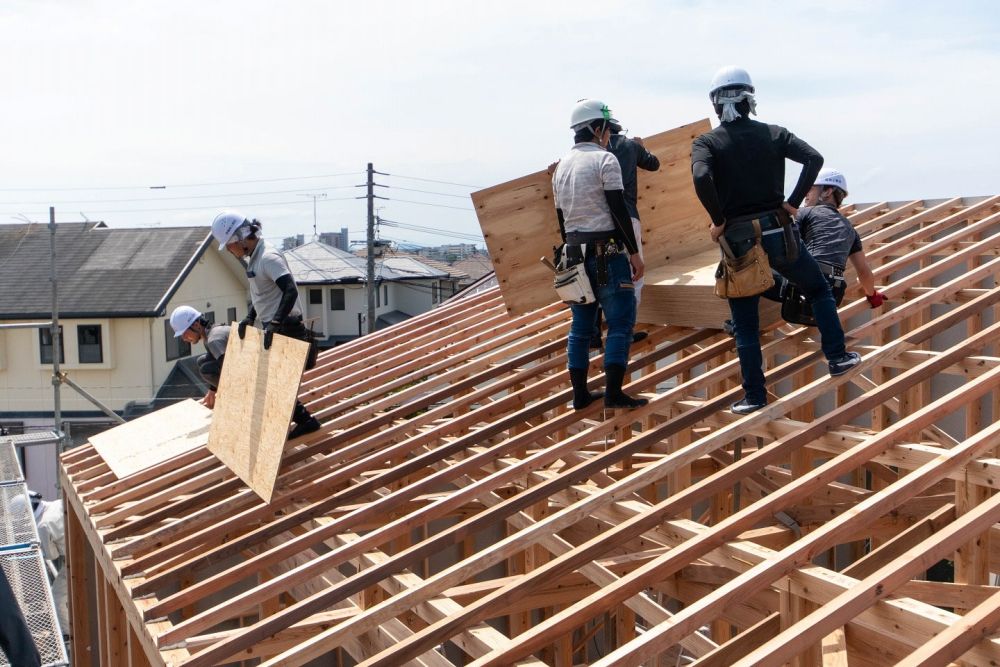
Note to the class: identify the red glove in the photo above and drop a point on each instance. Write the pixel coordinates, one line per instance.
(875, 299)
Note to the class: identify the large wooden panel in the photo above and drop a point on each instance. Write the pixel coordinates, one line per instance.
(154, 438)
(683, 294)
(519, 221)
(257, 394)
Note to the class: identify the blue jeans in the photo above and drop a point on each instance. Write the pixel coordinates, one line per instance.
(617, 300)
(805, 273)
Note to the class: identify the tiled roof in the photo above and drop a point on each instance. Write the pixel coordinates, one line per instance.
(102, 271)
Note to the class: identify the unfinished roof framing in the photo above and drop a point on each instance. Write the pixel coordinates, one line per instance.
(455, 510)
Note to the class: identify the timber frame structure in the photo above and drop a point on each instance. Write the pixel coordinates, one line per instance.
(455, 510)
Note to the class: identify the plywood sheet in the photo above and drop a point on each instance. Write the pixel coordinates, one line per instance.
(257, 394)
(682, 293)
(519, 222)
(154, 438)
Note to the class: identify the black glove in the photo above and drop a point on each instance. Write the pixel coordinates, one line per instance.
(270, 329)
(241, 328)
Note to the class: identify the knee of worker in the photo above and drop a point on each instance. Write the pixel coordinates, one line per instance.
(211, 372)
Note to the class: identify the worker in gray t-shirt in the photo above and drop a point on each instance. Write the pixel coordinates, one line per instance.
(191, 326)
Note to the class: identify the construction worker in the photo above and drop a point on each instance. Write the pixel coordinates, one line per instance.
(192, 327)
(52, 541)
(739, 171)
(832, 241)
(273, 293)
(632, 156)
(595, 225)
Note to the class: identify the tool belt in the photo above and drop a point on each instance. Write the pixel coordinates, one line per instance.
(794, 306)
(294, 328)
(777, 221)
(749, 275)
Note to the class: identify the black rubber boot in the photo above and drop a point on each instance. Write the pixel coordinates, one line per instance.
(304, 422)
(614, 397)
(582, 397)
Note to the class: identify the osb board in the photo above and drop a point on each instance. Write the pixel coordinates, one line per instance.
(682, 293)
(154, 438)
(519, 222)
(257, 393)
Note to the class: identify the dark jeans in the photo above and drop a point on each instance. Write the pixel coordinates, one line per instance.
(805, 273)
(294, 328)
(617, 300)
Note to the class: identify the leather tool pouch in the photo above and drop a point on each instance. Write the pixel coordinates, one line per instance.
(749, 275)
(571, 281)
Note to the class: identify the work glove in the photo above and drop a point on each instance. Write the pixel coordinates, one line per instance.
(875, 299)
(241, 328)
(270, 329)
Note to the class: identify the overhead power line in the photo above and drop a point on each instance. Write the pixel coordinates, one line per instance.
(434, 230)
(180, 185)
(431, 180)
(206, 208)
(425, 203)
(138, 199)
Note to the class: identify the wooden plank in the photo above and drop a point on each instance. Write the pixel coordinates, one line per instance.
(881, 583)
(154, 438)
(257, 393)
(981, 622)
(519, 222)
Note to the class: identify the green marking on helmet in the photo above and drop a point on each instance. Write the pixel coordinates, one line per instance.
(606, 112)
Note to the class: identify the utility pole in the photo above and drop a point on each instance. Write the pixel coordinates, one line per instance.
(314, 198)
(370, 278)
(54, 333)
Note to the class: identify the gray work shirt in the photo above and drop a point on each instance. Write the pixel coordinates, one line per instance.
(266, 265)
(217, 339)
(829, 237)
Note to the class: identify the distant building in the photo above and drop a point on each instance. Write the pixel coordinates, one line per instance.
(290, 242)
(476, 265)
(449, 253)
(332, 284)
(117, 288)
(336, 239)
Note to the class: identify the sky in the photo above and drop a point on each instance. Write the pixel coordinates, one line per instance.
(164, 113)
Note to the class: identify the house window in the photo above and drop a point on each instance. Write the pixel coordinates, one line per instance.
(45, 346)
(315, 297)
(230, 316)
(176, 347)
(337, 299)
(88, 338)
(385, 294)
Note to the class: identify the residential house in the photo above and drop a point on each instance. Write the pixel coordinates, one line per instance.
(116, 289)
(333, 284)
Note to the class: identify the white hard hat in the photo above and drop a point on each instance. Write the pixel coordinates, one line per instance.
(182, 318)
(728, 77)
(225, 224)
(586, 111)
(833, 178)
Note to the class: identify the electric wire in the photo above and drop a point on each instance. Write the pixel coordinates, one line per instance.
(432, 180)
(181, 185)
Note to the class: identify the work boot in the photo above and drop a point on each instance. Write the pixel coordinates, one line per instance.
(582, 397)
(304, 422)
(614, 397)
(639, 335)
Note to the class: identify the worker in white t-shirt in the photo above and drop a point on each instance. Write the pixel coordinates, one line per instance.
(597, 230)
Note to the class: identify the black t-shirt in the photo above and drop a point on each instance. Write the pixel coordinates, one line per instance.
(631, 156)
(739, 168)
(829, 236)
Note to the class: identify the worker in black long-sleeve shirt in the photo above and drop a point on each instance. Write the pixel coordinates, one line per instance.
(739, 173)
(632, 155)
